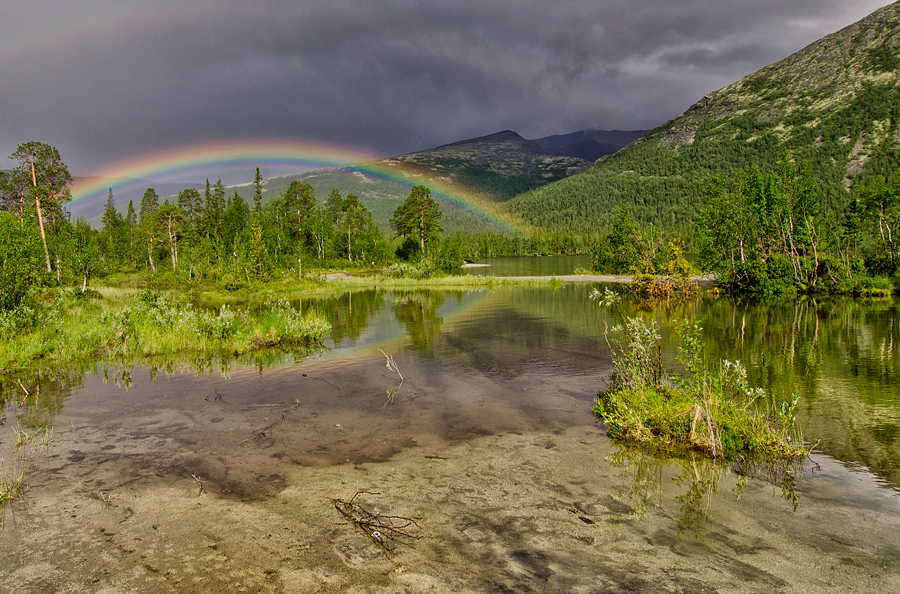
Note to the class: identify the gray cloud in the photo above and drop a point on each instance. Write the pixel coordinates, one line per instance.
(107, 79)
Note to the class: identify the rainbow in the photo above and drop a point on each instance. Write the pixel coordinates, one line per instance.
(192, 164)
(59, 32)
(442, 190)
(189, 164)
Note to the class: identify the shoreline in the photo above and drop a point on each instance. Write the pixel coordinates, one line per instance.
(703, 281)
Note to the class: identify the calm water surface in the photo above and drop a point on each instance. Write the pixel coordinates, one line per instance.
(482, 433)
(530, 266)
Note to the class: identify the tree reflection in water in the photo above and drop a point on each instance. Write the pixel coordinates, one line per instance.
(698, 478)
(417, 311)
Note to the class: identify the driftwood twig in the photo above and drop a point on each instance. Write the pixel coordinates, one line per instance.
(391, 365)
(384, 530)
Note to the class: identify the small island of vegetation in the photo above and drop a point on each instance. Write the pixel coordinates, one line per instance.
(709, 408)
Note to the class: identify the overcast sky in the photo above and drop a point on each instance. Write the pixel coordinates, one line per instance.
(108, 79)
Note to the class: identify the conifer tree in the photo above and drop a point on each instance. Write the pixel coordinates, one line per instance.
(257, 194)
(259, 256)
(148, 223)
(234, 220)
(191, 205)
(301, 199)
(131, 227)
(112, 222)
(41, 164)
(215, 209)
(418, 217)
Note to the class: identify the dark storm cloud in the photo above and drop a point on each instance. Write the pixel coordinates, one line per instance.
(105, 79)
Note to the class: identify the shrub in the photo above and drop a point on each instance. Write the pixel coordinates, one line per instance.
(711, 408)
(221, 325)
(425, 268)
(23, 318)
(668, 275)
(20, 261)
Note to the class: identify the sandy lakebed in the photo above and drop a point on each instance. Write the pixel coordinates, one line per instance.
(512, 485)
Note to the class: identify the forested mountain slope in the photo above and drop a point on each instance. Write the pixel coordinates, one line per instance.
(834, 105)
(499, 165)
(490, 169)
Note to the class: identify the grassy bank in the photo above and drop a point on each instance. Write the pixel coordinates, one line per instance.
(59, 332)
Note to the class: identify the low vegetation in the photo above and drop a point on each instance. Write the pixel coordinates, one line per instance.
(60, 331)
(708, 408)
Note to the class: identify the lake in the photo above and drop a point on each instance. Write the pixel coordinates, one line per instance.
(481, 432)
(529, 266)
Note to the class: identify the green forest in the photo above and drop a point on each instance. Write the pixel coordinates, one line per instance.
(199, 236)
(663, 185)
(770, 232)
(784, 229)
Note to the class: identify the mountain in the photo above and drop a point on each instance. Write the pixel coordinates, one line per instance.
(590, 144)
(499, 165)
(487, 170)
(834, 105)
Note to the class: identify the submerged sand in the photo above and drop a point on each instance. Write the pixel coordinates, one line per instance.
(512, 486)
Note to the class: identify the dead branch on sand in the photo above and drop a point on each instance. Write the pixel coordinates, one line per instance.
(384, 530)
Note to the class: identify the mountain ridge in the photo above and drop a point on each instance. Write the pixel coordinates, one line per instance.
(499, 165)
(834, 105)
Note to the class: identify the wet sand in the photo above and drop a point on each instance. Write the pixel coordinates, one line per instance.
(511, 484)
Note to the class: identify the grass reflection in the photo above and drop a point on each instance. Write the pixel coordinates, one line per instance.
(698, 479)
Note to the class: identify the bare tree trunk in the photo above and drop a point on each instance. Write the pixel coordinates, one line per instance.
(150, 256)
(172, 238)
(37, 204)
(422, 234)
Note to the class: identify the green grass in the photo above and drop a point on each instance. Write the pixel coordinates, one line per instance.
(709, 408)
(11, 488)
(56, 333)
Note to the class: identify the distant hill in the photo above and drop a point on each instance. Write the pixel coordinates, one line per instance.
(124, 190)
(499, 165)
(834, 105)
(590, 144)
(490, 168)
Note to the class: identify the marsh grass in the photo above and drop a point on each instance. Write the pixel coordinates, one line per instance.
(19, 449)
(11, 487)
(51, 336)
(709, 408)
(281, 325)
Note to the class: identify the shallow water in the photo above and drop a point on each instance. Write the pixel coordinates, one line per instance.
(225, 483)
(529, 266)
